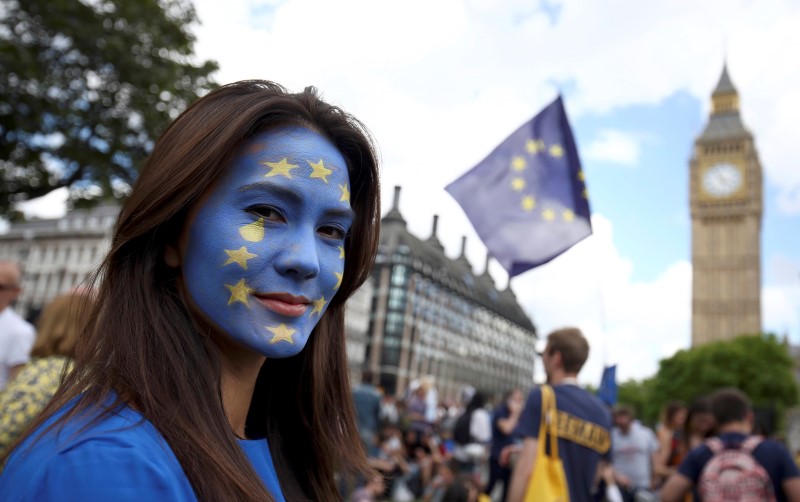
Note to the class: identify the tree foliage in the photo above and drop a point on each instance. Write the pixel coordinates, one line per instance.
(86, 86)
(758, 365)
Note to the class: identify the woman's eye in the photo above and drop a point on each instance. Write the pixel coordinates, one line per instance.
(332, 232)
(266, 212)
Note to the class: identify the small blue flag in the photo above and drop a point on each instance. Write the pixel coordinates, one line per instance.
(527, 200)
(608, 386)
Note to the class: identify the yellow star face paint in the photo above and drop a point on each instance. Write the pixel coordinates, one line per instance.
(263, 252)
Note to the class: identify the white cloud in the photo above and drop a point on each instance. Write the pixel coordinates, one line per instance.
(614, 147)
(632, 324)
(52, 205)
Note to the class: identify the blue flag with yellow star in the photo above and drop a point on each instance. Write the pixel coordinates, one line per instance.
(527, 200)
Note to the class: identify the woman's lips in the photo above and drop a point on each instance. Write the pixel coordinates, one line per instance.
(284, 304)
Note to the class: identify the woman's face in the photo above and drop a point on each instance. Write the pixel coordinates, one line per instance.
(263, 253)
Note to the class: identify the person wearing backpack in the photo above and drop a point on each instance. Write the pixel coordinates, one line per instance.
(472, 433)
(735, 465)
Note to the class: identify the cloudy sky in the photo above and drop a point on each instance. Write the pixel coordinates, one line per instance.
(440, 83)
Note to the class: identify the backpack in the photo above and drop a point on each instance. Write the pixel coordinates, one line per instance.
(733, 474)
(461, 430)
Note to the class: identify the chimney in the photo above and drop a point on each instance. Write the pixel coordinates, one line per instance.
(435, 225)
(396, 201)
(463, 246)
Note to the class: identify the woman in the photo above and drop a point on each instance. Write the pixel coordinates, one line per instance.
(670, 439)
(52, 353)
(216, 366)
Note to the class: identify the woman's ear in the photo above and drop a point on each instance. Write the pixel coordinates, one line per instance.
(171, 256)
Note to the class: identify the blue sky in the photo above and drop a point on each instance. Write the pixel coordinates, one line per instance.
(440, 84)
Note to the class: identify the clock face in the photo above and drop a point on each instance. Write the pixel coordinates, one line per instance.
(722, 180)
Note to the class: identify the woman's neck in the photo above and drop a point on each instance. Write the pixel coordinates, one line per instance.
(240, 368)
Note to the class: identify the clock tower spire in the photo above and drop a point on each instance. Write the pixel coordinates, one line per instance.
(725, 192)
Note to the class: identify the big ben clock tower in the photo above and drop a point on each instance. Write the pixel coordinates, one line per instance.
(725, 199)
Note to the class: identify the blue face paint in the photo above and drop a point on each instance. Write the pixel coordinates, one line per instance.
(264, 251)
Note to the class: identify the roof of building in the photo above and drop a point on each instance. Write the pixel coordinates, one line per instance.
(97, 221)
(457, 274)
(725, 84)
(725, 124)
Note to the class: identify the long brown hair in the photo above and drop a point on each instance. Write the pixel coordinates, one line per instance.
(145, 349)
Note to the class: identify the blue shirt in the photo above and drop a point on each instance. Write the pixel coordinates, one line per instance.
(500, 439)
(584, 424)
(773, 456)
(122, 458)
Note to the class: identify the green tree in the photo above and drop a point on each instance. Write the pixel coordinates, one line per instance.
(759, 365)
(638, 394)
(85, 89)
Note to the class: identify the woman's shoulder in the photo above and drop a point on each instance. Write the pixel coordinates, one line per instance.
(116, 455)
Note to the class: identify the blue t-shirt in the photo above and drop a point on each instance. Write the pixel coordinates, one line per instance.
(121, 458)
(773, 456)
(584, 425)
(500, 439)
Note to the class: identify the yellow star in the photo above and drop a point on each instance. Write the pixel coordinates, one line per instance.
(318, 306)
(341, 252)
(581, 176)
(338, 279)
(585, 193)
(518, 163)
(282, 334)
(239, 292)
(253, 232)
(239, 256)
(556, 151)
(528, 203)
(548, 215)
(345, 193)
(532, 146)
(518, 184)
(319, 170)
(568, 215)
(281, 168)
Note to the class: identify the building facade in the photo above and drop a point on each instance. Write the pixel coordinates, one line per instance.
(57, 255)
(432, 315)
(726, 206)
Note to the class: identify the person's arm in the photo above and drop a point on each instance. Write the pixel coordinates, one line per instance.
(660, 466)
(791, 488)
(523, 469)
(676, 488)
(509, 423)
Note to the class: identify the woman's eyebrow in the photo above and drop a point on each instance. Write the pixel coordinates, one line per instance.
(274, 189)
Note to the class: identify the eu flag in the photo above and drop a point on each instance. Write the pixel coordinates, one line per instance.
(527, 200)
(607, 392)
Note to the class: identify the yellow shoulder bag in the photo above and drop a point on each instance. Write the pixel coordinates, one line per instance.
(548, 482)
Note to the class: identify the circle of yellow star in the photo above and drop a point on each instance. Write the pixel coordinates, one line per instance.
(549, 215)
(318, 306)
(528, 203)
(518, 184)
(239, 292)
(518, 163)
(338, 279)
(282, 168)
(282, 334)
(345, 193)
(568, 215)
(556, 151)
(239, 256)
(319, 170)
(341, 252)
